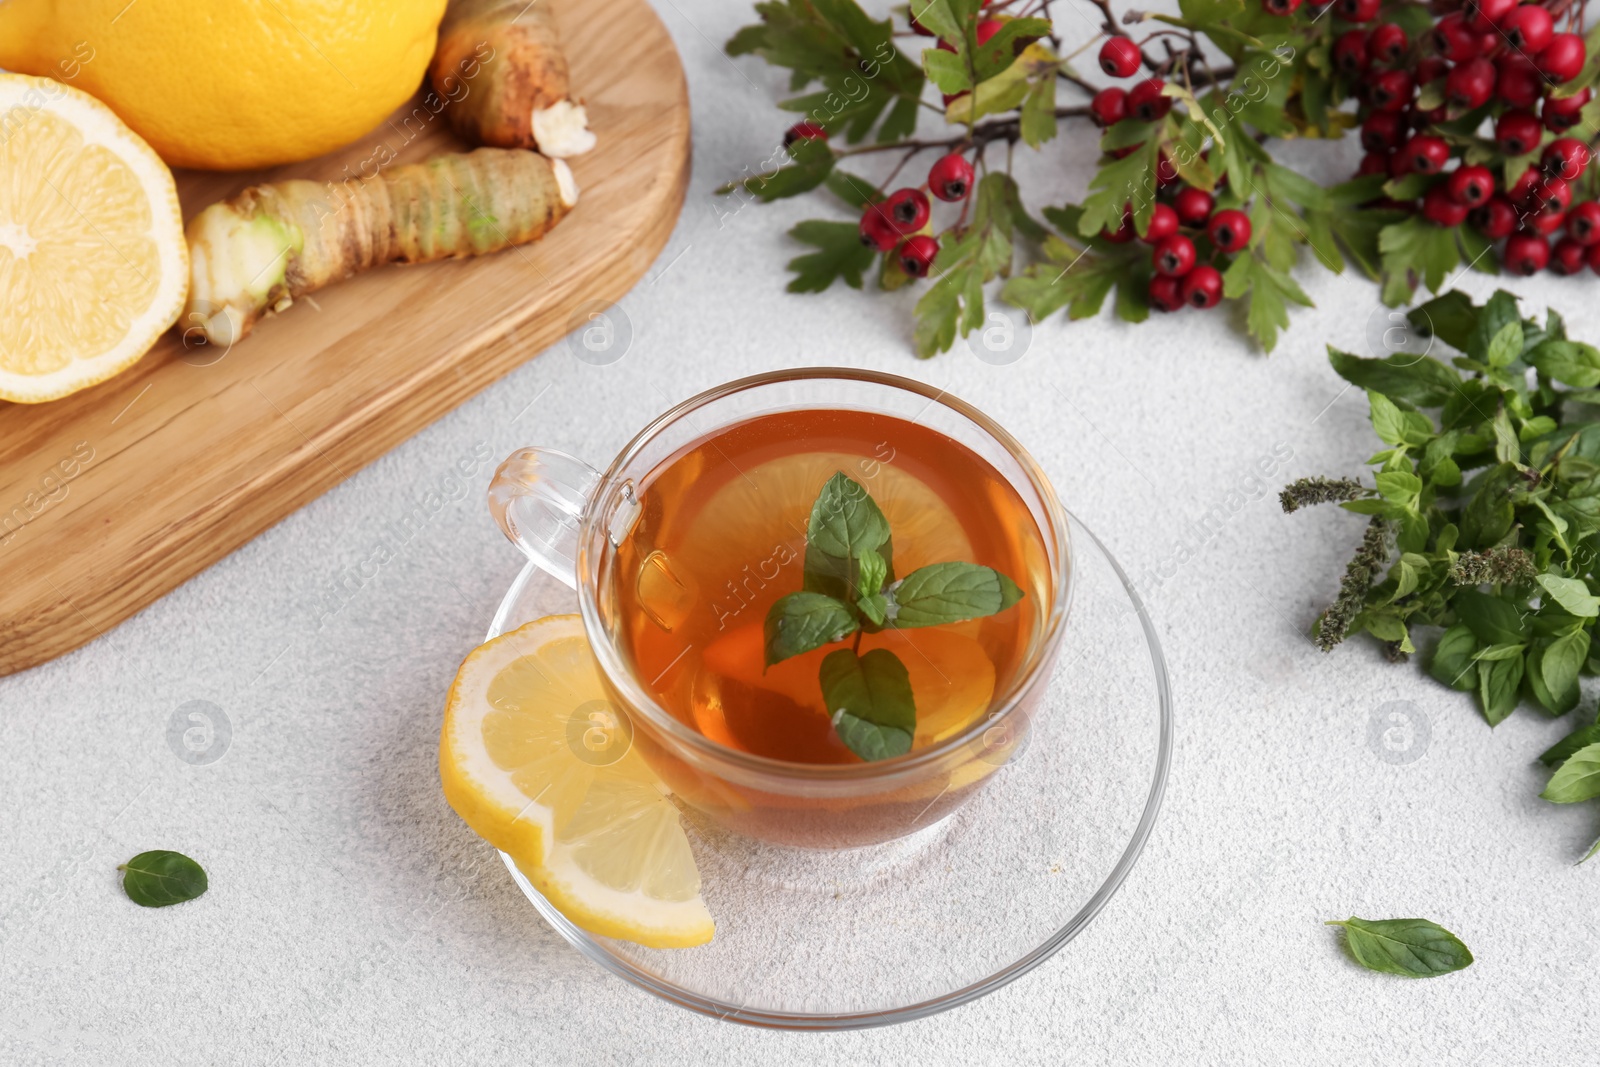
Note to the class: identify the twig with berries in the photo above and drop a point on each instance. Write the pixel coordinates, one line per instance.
(1478, 122)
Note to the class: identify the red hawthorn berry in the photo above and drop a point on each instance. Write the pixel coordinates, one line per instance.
(1421, 120)
(1568, 256)
(945, 46)
(1382, 131)
(1528, 28)
(876, 229)
(1522, 188)
(1201, 287)
(1495, 218)
(1583, 222)
(1145, 101)
(1163, 224)
(1399, 165)
(1173, 255)
(987, 29)
(1109, 106)
(1426, 154)
(1120, 57)
(1280, 7)
(916, 255)
(804, 131)
(1525, 254)
(1471, 186)
(1430, 69)
(950, 177)
(907, 210)
(1440, 209)
(1594, 258)
(1540, 223)
(1229, 230)
(1373, 163)
(1484, 15)
(1194, 206)
(1560, 115)
(1470, 84)
(1350, 52)
(1357, 10)
(1387, 43)
(1565, 157)
(1550, 195)
(1517, 133)
(1165, 294)
(1451, 39)
(1517, 81)
(1391, 90)
(1562, 58)
(1123, 233)
(1166, 171)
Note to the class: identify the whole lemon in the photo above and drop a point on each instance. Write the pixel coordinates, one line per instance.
(230, 84)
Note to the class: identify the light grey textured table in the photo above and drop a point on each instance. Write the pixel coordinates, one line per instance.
(352, 918)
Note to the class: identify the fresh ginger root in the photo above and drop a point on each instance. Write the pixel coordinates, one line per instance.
(508, 55)
(261, 249)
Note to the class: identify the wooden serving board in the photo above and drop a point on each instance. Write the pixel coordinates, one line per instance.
(113, 496)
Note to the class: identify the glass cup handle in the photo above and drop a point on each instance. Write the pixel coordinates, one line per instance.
(538, 497)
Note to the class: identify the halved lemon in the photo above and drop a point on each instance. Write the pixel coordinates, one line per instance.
(539, 762)
(93, 262)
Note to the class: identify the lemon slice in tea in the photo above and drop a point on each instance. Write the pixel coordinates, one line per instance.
(539, 762)
(93, 262)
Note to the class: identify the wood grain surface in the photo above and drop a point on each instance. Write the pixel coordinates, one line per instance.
(113, 496)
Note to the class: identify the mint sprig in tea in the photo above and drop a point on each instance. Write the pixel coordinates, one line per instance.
(830, 586)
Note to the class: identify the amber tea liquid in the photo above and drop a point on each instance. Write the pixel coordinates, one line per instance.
(721, 536)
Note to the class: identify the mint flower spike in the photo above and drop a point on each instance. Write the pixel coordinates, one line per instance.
(850, 589)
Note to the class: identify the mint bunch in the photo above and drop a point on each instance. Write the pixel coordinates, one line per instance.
(850, 589)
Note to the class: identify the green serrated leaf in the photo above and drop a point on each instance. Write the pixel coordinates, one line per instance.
(950, 592)
(840, 255)
(870, 701)
(799, 622)
(1411, 948)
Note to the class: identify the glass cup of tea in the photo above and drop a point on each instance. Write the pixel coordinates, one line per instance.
(679, 551)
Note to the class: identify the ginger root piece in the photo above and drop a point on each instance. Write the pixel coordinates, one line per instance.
(500, 64)
(259, 250)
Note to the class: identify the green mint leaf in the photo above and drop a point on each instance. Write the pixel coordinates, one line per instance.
(869, 698)
(1411, 948)
(875, 607)
(159, 878)
(1494, 621)
(845, 520)
(1506, 345)
(1450, 317)
(874, 570)
(800, 622)
(1582, 737)
(1499, 687)
(1553, 670)
(950, 592)
(1453, 661)
(1572, 594)
(1500, 309)
(1420, 379)
(841, 256)
(1576, 779)
(1569, 362)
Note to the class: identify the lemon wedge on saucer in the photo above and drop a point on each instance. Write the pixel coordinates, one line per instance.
(539, 761)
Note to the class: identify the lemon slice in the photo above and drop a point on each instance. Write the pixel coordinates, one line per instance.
(93, 263)
(771, 503)
(539, 762)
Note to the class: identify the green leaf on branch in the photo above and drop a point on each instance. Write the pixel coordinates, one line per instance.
(1118, 183)
(1416, 251)
(840, 255)
(1037, 123)
(799, 622)
(1270, 292)
(845, 521)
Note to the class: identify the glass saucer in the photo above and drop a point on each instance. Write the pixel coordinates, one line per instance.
(811, 940)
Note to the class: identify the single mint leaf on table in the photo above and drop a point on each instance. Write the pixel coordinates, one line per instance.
(799, 622)
(951, 592)
(159, 878)
(845, 520)
(870, 701)
(1577, 779)
(1411, 948)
